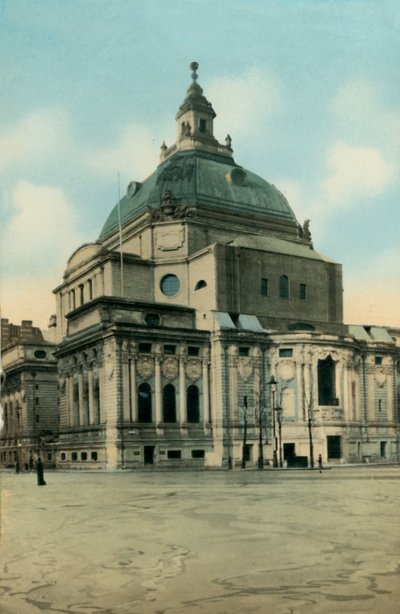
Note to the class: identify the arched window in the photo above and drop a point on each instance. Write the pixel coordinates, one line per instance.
(192, 404)
(284, 286)
(169, 403)
(144, 403)
(326, 382)
(200, 284)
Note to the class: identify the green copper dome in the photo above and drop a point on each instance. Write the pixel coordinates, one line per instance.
(202, 180)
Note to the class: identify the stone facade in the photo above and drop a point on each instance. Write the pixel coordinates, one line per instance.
(29, 397)
(208, 332)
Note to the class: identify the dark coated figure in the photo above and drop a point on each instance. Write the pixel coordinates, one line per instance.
(39, 472)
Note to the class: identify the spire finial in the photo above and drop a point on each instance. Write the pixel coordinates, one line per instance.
(193, 67)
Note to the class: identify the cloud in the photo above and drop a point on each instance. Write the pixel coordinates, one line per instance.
(41, 233)
(355, 173)
(360, 112)
(245, 103)
(134, 155)
(29, 297)
(34, 249)
(373, 296)
(34, 139)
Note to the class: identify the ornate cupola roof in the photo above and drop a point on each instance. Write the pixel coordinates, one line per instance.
(194, 124)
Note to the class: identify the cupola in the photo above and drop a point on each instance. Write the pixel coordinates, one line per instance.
(194, 124)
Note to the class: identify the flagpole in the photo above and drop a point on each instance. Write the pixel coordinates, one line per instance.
(121, 256)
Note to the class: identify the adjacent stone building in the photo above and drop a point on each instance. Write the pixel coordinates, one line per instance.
(203, 329)
(29, 396)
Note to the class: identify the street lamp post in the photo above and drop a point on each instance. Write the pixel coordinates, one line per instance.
(260, 441)
(272, 383)
(244, 432)
(310, 436)
(279, 420)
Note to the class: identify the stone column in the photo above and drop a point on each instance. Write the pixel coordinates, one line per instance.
(158, 399)
(69, 406)
(101, 395)
(182, 392)
(126, 389)
(90, 395)
(80, 407)
(133, 389)
(206, 394)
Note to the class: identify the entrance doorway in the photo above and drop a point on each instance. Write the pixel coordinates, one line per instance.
(247, 452)
(334, 443)
(148, 455)
(289, 451)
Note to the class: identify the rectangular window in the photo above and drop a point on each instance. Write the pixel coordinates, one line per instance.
(83, 456)
(169, 349)
(264, 286)
(145, 348)
(93, 456)
(177, 454)
(74, 456)
(63, 456)
(193, 351)
(303, 292)
(197, 453)
(37, 418)
(285, 352)
(243, 351)
(49, 456)
(378, 360)
(202, 125)
(37, 400)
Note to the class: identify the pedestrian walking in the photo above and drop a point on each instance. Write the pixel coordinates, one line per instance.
(39, 472)
(320, 463)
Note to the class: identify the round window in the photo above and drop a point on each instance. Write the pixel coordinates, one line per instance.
(40, 354)
(170, 285)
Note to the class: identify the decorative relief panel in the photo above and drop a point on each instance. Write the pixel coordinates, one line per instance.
(193, 369)
(145, 367)
(285, 370)
(170, 368)
(380, 378)
(245, 368)
(169, 238)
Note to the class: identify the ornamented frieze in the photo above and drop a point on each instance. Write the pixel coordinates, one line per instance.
(170, 368)
(145, 367)
(193, 369)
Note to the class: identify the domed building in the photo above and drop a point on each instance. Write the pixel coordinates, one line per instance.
(202, 329)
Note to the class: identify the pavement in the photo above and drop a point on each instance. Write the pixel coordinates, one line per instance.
(278, 542)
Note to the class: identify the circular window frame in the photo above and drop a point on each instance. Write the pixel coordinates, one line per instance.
(167, 280)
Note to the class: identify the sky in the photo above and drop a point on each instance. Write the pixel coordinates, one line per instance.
(307, 89)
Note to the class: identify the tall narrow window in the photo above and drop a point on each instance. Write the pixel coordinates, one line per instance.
(81, 295)
(264, 286)
(72, 299)
(326, 382)
(202, 125)
(144, 403)
(303, 292)
(90, 289)
(169, 403)
(284, 286)
(192, 404)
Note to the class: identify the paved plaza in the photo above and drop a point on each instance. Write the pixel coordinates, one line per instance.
(276, 542)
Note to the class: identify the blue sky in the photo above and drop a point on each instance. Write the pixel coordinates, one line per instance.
(308, 91)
